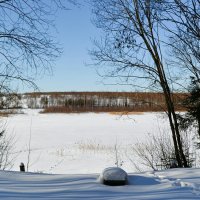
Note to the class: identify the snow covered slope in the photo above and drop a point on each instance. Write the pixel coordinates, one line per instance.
(170, 184)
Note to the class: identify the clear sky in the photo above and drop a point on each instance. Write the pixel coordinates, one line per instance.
(75, 33)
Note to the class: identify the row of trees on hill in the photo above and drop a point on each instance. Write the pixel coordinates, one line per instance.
(100, 101)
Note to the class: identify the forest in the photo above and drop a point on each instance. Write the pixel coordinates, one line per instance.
(72, 102)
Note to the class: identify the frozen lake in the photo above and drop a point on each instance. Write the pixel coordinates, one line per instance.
(79, 143)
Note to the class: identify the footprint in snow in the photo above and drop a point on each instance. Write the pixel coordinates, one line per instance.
(177, 182)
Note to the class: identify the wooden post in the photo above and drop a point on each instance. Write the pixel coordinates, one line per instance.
(22, 167)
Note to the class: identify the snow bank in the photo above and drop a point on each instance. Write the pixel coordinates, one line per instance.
(152, 186)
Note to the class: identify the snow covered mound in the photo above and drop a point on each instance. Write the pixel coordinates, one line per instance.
(173, 184)
(113, 176)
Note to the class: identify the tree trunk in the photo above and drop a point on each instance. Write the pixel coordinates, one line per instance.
(180, 156)
(198, 124)
(181, 159)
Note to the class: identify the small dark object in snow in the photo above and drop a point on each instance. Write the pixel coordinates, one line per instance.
(114, 176)
(173, 164)
(22, 167)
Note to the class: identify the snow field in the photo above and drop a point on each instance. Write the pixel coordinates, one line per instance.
(79, 143)
(160, 185)
(75, 148)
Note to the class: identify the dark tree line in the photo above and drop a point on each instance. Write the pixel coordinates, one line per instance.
(102, 101)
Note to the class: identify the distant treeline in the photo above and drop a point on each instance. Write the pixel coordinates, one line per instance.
(72, 102)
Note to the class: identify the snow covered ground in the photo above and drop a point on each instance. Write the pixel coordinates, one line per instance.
(164, 185)
(73, 149)
(79, 143)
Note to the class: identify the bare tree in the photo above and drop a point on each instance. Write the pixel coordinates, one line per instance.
(157, 151)
(6, 149)
(133, 48)
(184, 35)
(27, 46)
(185, 47)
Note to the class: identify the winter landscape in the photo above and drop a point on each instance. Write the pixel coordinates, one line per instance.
(66, 154)
(99, 99)
(79, 143)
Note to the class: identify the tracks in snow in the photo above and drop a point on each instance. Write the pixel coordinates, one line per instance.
(195, 188)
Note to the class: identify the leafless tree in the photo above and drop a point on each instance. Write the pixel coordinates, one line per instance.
(133, 50)
(157, 151)
(27, 45)
(184, 34)
(184, 43)
(27, 48)
(6, 149)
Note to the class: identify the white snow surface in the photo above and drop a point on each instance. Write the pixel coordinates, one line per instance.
(71, 151)
(78, 143)
(164, 185)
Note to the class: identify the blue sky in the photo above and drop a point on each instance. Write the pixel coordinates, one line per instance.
(75, 33)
